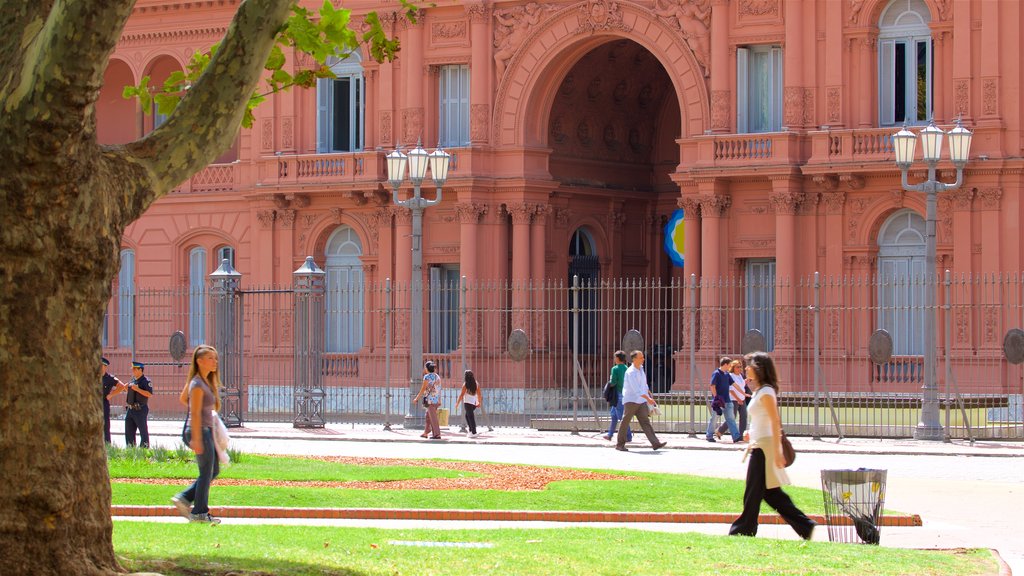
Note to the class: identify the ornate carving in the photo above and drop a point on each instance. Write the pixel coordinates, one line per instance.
(991, 324)
(267, 134)
(478, 13)
(266, 218)
(834, 202)
(859, 205)
(287, 217)
(714, 205)
(690, 206)
(808, 107)
(785, 318)
(834, 98)
(854, 181)
(298, 200)
(600, 15)
(990, 97)
(945, 217)
(385, 127)
(402, 216)
(897, 197)
(963, 326)
(759, 8)
(308, 220)
(288, 133)
(990, 198)
(962, 98)
(521, 212)
(412, 125)
(540, 213)
(357, 197)
(851, 229)
(470, 212)
(478, 122)
(786, 202)
(793, 106)
(826, 181)
(511, 27)
(961, 199)
(693, 19)
(562, 216)
(616, 218)
(720, 109)
(855, 7)
(448, 31)
(336, 213)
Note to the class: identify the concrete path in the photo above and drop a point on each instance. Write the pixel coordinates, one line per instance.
(967, 496)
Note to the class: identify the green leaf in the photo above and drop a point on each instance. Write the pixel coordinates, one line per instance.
(280, 77)
(166, 103)
(276, 59)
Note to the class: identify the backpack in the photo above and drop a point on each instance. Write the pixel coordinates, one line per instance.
(611, 395)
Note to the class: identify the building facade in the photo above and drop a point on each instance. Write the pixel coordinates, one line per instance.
(577, 129)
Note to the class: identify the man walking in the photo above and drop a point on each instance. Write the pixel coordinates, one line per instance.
(636, 396)
(721, 382)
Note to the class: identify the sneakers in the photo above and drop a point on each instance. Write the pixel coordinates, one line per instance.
(204, 519)
(184, 506)
(473, 434)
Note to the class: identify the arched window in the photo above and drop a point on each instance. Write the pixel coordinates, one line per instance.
(904, 63)
(340, 107)
(344, 270)
(126, 300)
(197, 296)
(901, 281)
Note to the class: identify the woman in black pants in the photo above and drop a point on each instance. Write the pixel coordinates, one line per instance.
(471, 397)
(766, 473)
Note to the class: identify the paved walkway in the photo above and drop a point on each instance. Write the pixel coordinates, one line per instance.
(966, 496)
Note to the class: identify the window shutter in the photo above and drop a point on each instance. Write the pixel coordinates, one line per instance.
(886, 82)
(742, 89)
(775, 94)
(464, 104)
(323, 115)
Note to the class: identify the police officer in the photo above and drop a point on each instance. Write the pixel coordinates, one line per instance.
(136, 418)
(110, 387)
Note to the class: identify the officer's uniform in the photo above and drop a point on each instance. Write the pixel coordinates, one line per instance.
(137, 415)
(109, 383)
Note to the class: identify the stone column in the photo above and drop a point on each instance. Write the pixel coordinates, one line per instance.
(412, 69)
(712, 321)
(480, 71)
(721, 96)
(962, 67)
(521, 216)
(834, 70)
(792, 56)
(538, 268)
(469, 223)
(787, 194)
(834, 202)
(988, 201)
(403, 281)
(692, 232)
(867, 89)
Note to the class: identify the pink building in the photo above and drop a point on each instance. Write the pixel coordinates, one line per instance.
(577, 129)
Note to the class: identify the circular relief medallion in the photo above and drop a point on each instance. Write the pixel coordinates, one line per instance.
(1013, 345)
(880, 347)
(177, 346)
(518, 345)
(632, 340)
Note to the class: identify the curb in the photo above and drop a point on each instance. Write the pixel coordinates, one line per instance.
(488, 515)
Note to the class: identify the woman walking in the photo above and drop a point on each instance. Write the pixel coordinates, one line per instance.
(470, 397)
(766, 473)
(202, 397)
(430, 391)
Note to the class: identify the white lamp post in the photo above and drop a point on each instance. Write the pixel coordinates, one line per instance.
(417, 161)
(904, 142)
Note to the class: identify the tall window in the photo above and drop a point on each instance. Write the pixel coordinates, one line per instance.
(453, 96)
(758, 89)
(341, 107)
(901, 281)
(444, 308)
(197, 296)
(904, 64)
(344, 323)
(225, 253)
(126, 300)
(760, 297)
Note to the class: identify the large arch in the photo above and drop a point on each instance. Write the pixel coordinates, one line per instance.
(528, 87)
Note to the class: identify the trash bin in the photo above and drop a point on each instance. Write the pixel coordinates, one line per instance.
(442, 416)
(853, 504)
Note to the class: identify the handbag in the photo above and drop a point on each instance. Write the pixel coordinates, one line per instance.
(426, 403)
(653, 410)
(788, 453)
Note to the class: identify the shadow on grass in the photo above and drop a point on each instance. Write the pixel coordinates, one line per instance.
(232, 566)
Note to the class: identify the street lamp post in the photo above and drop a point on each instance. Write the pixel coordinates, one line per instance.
(417, 160)
(929, 427)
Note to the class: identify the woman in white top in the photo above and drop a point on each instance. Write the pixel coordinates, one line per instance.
(766, 473)
(470, 397)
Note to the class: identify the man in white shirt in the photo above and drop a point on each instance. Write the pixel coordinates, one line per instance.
(636, 397)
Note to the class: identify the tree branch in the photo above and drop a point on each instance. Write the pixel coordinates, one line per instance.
(206, 120)
(20, 21)
(65, 53)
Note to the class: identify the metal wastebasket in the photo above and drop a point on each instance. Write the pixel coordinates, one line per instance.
(853, 504)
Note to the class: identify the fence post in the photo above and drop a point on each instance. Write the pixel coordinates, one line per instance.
(387, 354)
(575, 352)
(947, 280)
(693, 354)
(310, 310)
(463, 341)
(817, 351)
(227, 301)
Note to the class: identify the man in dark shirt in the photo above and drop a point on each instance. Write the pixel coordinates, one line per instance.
(136, 418)
(721, 381)
(110, 382)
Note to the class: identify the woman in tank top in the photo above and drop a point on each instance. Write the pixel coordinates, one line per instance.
(470, 397)
(766, 472)
(201, 395)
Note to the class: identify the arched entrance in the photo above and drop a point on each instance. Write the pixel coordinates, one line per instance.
(344, 275)
(901, 281)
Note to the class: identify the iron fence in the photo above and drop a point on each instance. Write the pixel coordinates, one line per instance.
(330, 351)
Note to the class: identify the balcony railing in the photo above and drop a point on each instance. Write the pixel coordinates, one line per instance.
(213, 178)
(854, 146)
(326, 168)
(748, 150)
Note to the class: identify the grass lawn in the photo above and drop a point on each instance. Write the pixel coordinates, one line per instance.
(651, 492)
(191, 549)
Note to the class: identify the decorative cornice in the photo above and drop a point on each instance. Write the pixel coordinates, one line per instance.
(786, 202)
(990, 198)
(173, 36)
(470, 212)
(827, 182)
(714, 205)
(961, 199)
